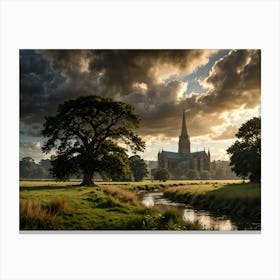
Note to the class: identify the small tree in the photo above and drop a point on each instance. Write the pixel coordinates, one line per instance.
(138, 168)
(162, 175)
(86, 133)
(245, 153)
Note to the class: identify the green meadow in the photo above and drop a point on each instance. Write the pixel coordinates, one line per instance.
(49, 205)
(108, 206)
(239, 200)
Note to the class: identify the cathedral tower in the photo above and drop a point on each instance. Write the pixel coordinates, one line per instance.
(184, 141)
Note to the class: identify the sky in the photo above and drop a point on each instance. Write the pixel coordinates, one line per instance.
(219, 89)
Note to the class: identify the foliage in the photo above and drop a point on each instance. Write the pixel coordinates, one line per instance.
(86, 133)
(124, 176)
(192, 174)
(245, 153)
(205, 175)
(30, 169)
(221, 170)
(162, 175)
(138, 167)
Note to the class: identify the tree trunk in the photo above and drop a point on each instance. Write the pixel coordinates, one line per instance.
(87, 180)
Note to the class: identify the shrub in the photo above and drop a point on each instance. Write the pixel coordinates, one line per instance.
(162, 175)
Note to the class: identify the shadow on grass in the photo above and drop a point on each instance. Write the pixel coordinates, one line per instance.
(41, 188)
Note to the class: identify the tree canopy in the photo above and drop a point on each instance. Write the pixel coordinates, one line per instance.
(138, 167)
(162, 175)
(86, 133)
(245, 153)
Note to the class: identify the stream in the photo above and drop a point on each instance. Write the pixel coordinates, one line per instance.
(207, 220)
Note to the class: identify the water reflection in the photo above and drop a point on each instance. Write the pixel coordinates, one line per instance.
(207, 220)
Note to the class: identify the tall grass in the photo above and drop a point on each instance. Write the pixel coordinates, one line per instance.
(59, 205)
(124, 195)
(34, 216)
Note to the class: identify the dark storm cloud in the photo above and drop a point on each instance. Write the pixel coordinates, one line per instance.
(48, 77)
(143, 79)
(235, 80)
(39, 84)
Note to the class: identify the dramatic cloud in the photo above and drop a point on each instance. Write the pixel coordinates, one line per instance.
(234, 81)
(154, 81)
(228, 133)
(32, 149)
(50, 77)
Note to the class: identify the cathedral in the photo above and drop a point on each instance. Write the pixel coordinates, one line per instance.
(184, 159)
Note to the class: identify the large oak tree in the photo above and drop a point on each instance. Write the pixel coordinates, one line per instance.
(86, 133)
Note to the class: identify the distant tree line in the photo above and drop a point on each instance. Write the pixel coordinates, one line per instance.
(135, 171)
(29, 169)
(190, 174)
(220, 170)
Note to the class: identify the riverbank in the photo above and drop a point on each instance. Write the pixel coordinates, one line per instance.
(109, 206)
(240, 201)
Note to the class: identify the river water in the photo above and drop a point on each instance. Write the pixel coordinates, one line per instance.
(207, 220)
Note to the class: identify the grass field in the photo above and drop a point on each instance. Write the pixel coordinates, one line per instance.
(49, 205)
(109, 206)
(236, 199)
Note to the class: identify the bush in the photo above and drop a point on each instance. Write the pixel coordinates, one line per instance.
(162, 175)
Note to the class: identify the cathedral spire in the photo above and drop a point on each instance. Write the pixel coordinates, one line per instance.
(184, 141)
(184, 132)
